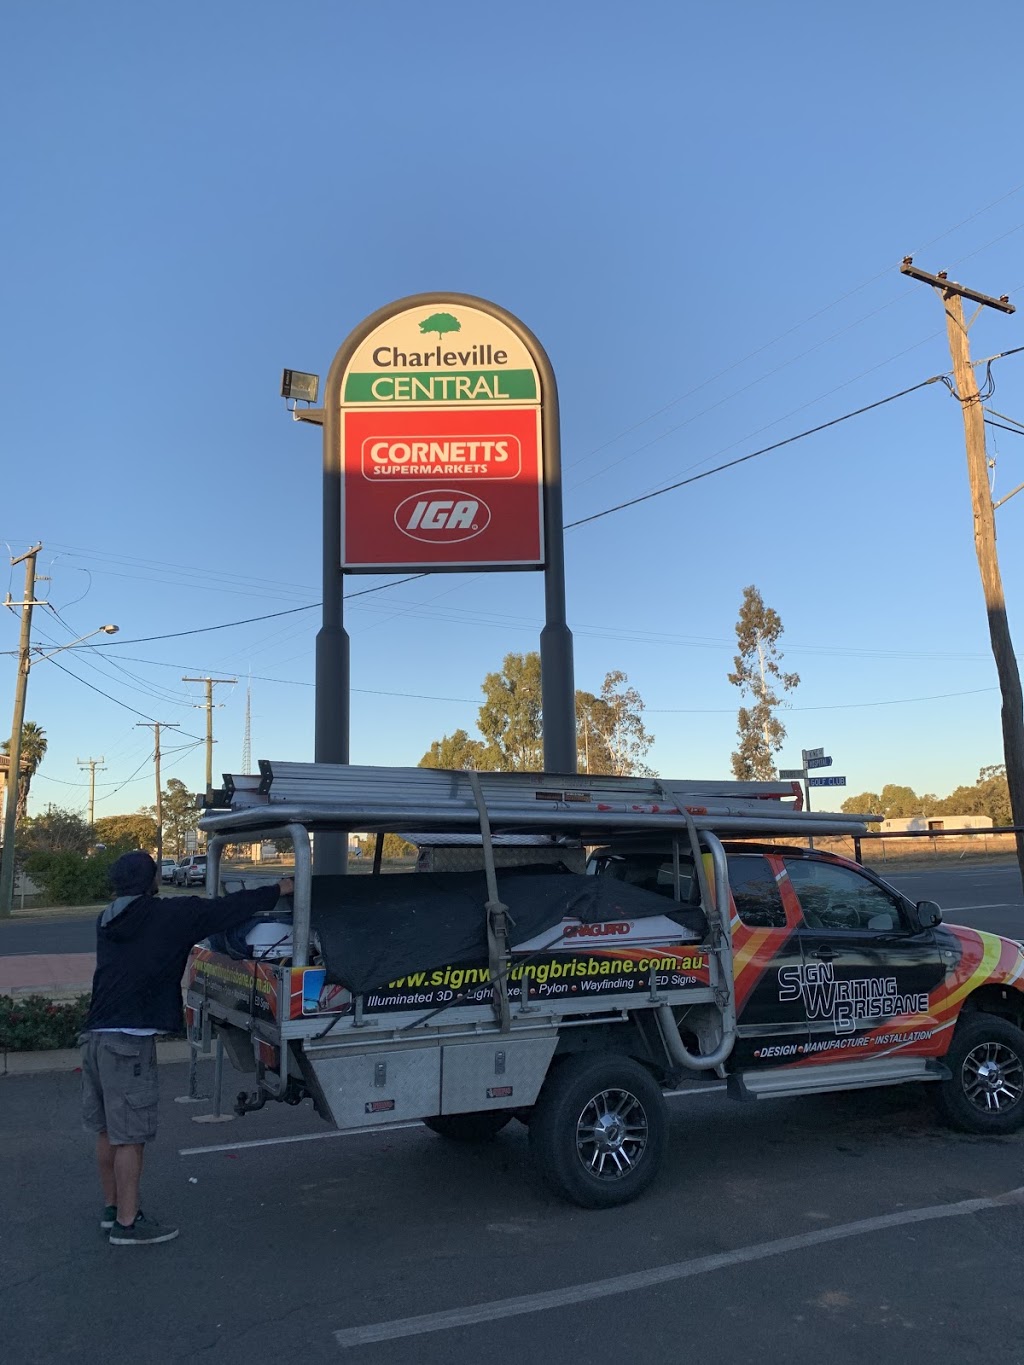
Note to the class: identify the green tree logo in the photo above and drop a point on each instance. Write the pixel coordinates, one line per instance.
(440, 323)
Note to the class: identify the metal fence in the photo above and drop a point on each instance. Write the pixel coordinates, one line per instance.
(975, 840)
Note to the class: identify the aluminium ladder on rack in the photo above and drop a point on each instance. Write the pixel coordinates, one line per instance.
(338, 796)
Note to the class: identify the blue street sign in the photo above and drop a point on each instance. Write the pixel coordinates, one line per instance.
(826, 781)
(822, 762)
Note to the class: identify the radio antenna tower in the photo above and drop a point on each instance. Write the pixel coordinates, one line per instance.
(247, 741)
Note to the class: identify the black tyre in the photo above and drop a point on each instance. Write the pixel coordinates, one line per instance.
(480, 1127)
(985, 1093)
(598, 1131)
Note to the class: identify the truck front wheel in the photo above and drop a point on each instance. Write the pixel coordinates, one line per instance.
(985, 1093)
(598, 1131)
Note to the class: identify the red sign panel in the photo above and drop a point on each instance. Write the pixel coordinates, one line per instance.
(441, 488)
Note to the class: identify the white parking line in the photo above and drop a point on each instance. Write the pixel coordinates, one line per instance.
(649, 1279)
(299, 1137)
(992, 905)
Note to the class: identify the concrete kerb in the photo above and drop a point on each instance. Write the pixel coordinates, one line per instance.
(69, 1059)
(62, 994)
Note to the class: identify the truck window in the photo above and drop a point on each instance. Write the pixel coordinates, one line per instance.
(652, 872)
(833, 897)
(755, 892)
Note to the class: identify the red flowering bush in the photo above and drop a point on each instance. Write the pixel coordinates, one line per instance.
(37, 1024)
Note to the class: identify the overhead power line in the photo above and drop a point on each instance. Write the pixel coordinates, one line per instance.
(581, 521)
(1015, 431)
(765, 450)
(268, 616)
(1003, 415)
(116, 700)
(835, 706)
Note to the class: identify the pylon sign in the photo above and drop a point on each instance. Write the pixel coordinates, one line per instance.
(441, 439)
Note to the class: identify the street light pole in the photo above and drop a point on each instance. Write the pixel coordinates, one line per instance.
(25, 662)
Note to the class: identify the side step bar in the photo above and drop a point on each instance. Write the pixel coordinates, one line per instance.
(816, 1080)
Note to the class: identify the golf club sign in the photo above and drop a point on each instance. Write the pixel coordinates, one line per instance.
(442, 441)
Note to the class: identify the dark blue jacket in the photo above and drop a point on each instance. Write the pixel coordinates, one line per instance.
(142, 950)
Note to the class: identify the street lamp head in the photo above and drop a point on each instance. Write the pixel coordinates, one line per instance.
(109, 630)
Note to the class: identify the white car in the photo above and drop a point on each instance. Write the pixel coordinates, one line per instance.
(167, 866)
(191, 871)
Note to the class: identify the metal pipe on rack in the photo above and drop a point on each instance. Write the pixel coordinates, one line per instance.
(302, 898)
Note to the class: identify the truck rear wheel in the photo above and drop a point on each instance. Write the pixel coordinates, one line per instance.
(599, 1130)
(478, 1127)
(985, 1093)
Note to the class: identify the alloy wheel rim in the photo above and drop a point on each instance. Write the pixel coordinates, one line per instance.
(993, 1077)
(612, 1133)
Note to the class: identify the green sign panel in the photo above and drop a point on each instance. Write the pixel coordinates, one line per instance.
(441, 386)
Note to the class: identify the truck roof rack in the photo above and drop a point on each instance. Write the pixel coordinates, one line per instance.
(335, 796)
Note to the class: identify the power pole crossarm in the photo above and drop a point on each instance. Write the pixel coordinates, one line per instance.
(985, 527)
(948, 286)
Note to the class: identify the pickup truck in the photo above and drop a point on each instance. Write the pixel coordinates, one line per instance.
(652, 937)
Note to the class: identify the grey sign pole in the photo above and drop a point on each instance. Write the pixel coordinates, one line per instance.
(557, 681)
(805, 754)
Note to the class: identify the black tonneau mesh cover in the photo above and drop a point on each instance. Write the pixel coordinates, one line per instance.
(373, 930)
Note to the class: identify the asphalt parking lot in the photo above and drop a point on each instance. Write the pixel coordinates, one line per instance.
(848, 1227)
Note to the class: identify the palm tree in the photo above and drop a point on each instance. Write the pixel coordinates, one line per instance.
(33, 749)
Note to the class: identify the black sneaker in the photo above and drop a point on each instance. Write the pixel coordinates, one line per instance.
(142, 1232)
(109, 1217)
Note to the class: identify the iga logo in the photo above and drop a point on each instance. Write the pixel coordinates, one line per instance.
(443, 515)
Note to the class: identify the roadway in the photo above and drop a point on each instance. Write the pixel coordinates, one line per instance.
(846, 1227)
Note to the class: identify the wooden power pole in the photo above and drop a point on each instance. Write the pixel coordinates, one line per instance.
(14, 748)
(156, 726)
(92, 764)
(207, 706)
(952, 295)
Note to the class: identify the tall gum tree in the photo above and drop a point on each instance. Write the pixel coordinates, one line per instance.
(610, 733)
(758, 675)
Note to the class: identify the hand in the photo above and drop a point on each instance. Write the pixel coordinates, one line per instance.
(286, 886)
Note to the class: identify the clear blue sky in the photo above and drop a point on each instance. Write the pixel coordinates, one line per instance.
(699, 209)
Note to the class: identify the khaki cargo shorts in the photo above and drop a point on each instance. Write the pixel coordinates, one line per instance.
(119, 1087)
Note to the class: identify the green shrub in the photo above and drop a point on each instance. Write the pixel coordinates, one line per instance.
(36, 1024)
(71, 878)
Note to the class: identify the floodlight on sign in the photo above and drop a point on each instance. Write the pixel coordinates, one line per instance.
(299, 385)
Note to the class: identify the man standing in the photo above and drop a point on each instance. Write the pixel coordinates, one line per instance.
(142, 947)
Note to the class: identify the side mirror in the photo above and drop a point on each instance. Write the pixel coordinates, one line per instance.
(928, 914)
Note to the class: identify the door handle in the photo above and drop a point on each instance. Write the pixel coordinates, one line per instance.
(824, 954)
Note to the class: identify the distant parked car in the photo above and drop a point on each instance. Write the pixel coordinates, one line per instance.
(167, 866)
(191, 871)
